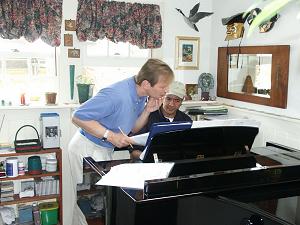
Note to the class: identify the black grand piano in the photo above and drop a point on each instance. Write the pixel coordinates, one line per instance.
(217, 179)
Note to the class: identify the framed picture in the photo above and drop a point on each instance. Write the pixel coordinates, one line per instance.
(191, 89)
(187, 53)
(68, 40)
(70, 25)
(73, 53)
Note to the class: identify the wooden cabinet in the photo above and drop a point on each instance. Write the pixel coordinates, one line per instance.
(57, 174)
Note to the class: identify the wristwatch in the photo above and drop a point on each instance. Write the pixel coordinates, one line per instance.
(104, 138)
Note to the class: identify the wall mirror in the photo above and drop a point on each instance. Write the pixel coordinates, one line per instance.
(256, 74)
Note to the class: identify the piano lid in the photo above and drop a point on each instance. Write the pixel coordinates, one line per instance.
(201, 142)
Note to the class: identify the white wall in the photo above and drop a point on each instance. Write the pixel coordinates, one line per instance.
(174, 25)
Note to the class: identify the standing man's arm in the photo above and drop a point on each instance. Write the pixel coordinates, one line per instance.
(97, 130)
(152, 105)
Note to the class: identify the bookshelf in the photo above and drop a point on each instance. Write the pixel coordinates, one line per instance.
(58, 174)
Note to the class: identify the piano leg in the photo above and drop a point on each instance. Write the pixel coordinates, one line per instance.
(298, 211)
(108, 205)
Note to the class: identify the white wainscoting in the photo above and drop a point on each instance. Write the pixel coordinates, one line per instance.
(279, 129)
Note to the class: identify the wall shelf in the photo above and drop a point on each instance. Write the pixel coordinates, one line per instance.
(18, 200)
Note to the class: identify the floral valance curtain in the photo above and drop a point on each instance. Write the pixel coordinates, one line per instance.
(138, 24)
(31, 19)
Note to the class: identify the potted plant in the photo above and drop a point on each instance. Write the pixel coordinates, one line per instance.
(85, 85)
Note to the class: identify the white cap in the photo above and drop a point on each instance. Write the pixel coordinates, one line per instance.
(177, 88)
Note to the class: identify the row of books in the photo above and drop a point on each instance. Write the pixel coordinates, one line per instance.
(29, 188)
(7, 191)
(47, 186)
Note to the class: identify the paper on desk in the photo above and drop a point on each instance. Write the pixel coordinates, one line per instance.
(140, 139)
(133, 175)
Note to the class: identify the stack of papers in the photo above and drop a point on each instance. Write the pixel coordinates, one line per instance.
(140, 139)
(6, 148)
(209, 109)
(133, 175)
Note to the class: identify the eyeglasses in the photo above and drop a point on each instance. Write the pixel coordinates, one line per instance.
(175, 100)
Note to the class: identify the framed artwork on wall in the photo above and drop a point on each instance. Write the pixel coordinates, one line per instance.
(68, 40)
(73, 53)
(70, 25)
(187, 53)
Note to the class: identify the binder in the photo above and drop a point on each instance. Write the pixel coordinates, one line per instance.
(162, 127)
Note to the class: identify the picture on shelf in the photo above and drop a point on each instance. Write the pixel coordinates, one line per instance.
(27, 188)
(191, 90)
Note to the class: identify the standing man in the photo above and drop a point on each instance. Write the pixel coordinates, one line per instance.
(119, 106)
(168, 111)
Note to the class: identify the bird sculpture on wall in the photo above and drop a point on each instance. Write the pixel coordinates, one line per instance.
(194, 16)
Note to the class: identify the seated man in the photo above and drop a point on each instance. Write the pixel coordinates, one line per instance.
(168, 111)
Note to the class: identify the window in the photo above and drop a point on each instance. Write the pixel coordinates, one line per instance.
(26, 68)
(111, 62)
(121, 49)
(105, 76)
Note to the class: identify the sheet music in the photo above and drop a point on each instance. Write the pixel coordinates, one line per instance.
(140, 139)
(133, 175)
(226, 122)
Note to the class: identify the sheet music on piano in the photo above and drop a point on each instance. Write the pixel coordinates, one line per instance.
(133, 175)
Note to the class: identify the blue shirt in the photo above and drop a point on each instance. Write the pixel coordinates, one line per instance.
(115, 106)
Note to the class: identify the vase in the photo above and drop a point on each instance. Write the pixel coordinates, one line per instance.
(85, 92)
(72, 74)
(50, 98)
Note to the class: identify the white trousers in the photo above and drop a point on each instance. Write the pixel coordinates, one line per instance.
(80, 147)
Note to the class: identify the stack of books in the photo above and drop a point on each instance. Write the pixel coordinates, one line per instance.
(7, 191)
(209, 109)
(6, 148)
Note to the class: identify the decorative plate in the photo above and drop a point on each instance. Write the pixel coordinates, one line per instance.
(206, 82)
